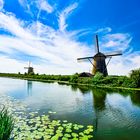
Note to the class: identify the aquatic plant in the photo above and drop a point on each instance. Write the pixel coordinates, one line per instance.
(6, 124)
(42, 127)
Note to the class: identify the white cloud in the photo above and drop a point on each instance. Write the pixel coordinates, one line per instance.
(58, 49)
(25, 4)
(45, 6)
(105, 30)
(64, 15)
(122, 65)
(1, 4)
(9, 23)
(22, 2)
(117, 40)
(11, 65)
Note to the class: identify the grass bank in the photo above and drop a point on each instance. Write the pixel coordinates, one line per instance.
(114, 82)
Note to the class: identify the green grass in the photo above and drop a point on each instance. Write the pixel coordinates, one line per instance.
(6, 124)
(129, 82)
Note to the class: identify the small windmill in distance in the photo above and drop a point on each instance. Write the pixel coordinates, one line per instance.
(98, 60)
(29, 68)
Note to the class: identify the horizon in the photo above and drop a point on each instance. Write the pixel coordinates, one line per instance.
(52, 35)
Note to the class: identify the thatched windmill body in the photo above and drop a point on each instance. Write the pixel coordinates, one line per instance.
(29, 68)
(98, 60)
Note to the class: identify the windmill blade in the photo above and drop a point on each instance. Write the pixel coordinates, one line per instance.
(96, 44)
(85, 58)
(26, 67)
(113, 54)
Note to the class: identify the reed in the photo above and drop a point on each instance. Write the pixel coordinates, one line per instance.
(6, 124)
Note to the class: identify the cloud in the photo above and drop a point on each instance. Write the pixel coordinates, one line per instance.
(45, 6)
(8, 20)
(22, 2)
(1, 4)
(57, 50)
(104, 30)
(122, 65)
(14, 65)
(25, 4)
(64, 15)
(116, 41)
(54, 51)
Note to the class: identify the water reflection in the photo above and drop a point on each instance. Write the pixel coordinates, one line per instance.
(99, 97)
(133, 94)
(114, 113)
(29, 87)
(135, 98)
(74, 88)
(110, 105)
(98, 100)
(83, 89)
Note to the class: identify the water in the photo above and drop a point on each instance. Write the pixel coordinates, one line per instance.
(115, 115)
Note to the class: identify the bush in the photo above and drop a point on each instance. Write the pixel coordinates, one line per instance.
(6, 124)
(120, 80)
(98, 76)
(74, 78)
(135, 77)
(128, 82)
(64, 78)
(85, 80)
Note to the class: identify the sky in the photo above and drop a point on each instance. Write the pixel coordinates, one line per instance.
(52, 34)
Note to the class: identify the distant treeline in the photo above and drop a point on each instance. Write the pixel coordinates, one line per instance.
(131, 81)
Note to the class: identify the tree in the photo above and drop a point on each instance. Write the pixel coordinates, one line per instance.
(135, 77)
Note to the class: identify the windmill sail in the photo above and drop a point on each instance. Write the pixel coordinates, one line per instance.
(113, 54)
(96, 44)
(85, 58)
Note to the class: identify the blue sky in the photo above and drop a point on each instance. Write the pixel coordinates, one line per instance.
(53, 33)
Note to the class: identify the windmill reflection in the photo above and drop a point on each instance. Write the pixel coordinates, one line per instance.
(99, 97)
(29, 87)
(83, 89)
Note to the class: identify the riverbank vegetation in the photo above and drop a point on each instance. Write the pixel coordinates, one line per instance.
(6, 124)
(131, 81)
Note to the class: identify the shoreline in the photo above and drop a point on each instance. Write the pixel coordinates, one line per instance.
(70, 83)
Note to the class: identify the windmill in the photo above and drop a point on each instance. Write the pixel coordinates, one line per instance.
(30, 69)
(98, 60)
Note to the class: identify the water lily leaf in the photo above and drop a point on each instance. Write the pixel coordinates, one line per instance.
(84, 138)
(74, 135)
(41, 129)
(60, 128)
(38, 137)
(64, 138)
(55, 137)
(68, 130)
(67, 135)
